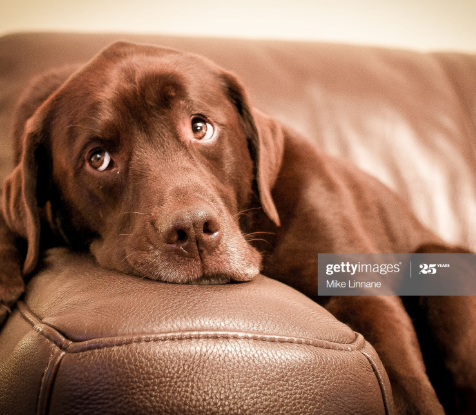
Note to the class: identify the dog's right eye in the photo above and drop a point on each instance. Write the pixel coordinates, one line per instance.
(99, 159)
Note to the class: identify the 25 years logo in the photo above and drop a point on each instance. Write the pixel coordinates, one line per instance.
(427, 269)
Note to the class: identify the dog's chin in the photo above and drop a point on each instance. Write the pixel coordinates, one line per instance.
(221, 267)
(189, 272)
(196, 277)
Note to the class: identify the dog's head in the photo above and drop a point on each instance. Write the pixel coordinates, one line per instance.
(147, 156)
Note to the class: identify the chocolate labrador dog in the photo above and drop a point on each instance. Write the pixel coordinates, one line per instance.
(155, 161)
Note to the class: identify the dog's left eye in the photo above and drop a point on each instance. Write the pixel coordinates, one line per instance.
(202, 130)
(99, 159)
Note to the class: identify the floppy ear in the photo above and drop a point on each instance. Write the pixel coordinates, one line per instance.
(20, 190)
(266, 143)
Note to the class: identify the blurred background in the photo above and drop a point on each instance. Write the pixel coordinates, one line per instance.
(416, 24)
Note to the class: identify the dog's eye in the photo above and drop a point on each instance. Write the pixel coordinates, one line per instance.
(99, 159)
(202, 130)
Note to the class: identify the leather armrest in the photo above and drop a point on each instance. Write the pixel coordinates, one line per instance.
(88, 340)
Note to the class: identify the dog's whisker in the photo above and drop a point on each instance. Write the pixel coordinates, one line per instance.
(127, 256)
(242, 212)
(257, 239)
(132, 213)
(260, 232)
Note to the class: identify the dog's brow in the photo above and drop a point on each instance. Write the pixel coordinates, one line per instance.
(79, 126)
(87, 122)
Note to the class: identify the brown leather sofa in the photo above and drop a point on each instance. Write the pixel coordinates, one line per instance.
(85, 340)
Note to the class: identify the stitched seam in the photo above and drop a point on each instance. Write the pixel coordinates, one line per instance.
(381, 383)
(45, 330)
(75, 347)
(188, 336)
(27, 315)
(47, 381)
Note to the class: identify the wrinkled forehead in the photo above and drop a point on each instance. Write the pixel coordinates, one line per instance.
(127, 77)
(133, 63)
(149, 69)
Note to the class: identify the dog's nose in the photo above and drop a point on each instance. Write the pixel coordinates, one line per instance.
(193, 231)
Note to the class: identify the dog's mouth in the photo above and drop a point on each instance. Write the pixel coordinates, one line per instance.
(216, 269)
(234, 260)
(218, 279)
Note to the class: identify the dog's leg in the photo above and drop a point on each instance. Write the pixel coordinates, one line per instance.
(455, 339)
(11, 263)
(447, 330)
(384, 322)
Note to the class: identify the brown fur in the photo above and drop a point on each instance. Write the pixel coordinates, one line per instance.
(176, 209)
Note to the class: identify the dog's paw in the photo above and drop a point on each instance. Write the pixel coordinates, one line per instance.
(11, 288)
(9, 296)
(4, 312)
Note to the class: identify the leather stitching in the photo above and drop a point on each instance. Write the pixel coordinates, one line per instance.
(210, 335)
(75, 347)
(47, 381)
(379, 376)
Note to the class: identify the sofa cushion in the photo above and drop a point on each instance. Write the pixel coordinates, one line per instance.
(89, 340)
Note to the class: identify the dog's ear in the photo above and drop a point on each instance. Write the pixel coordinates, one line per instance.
(22, 193)
(265, 140)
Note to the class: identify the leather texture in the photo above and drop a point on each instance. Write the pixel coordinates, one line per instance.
(90, 341)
